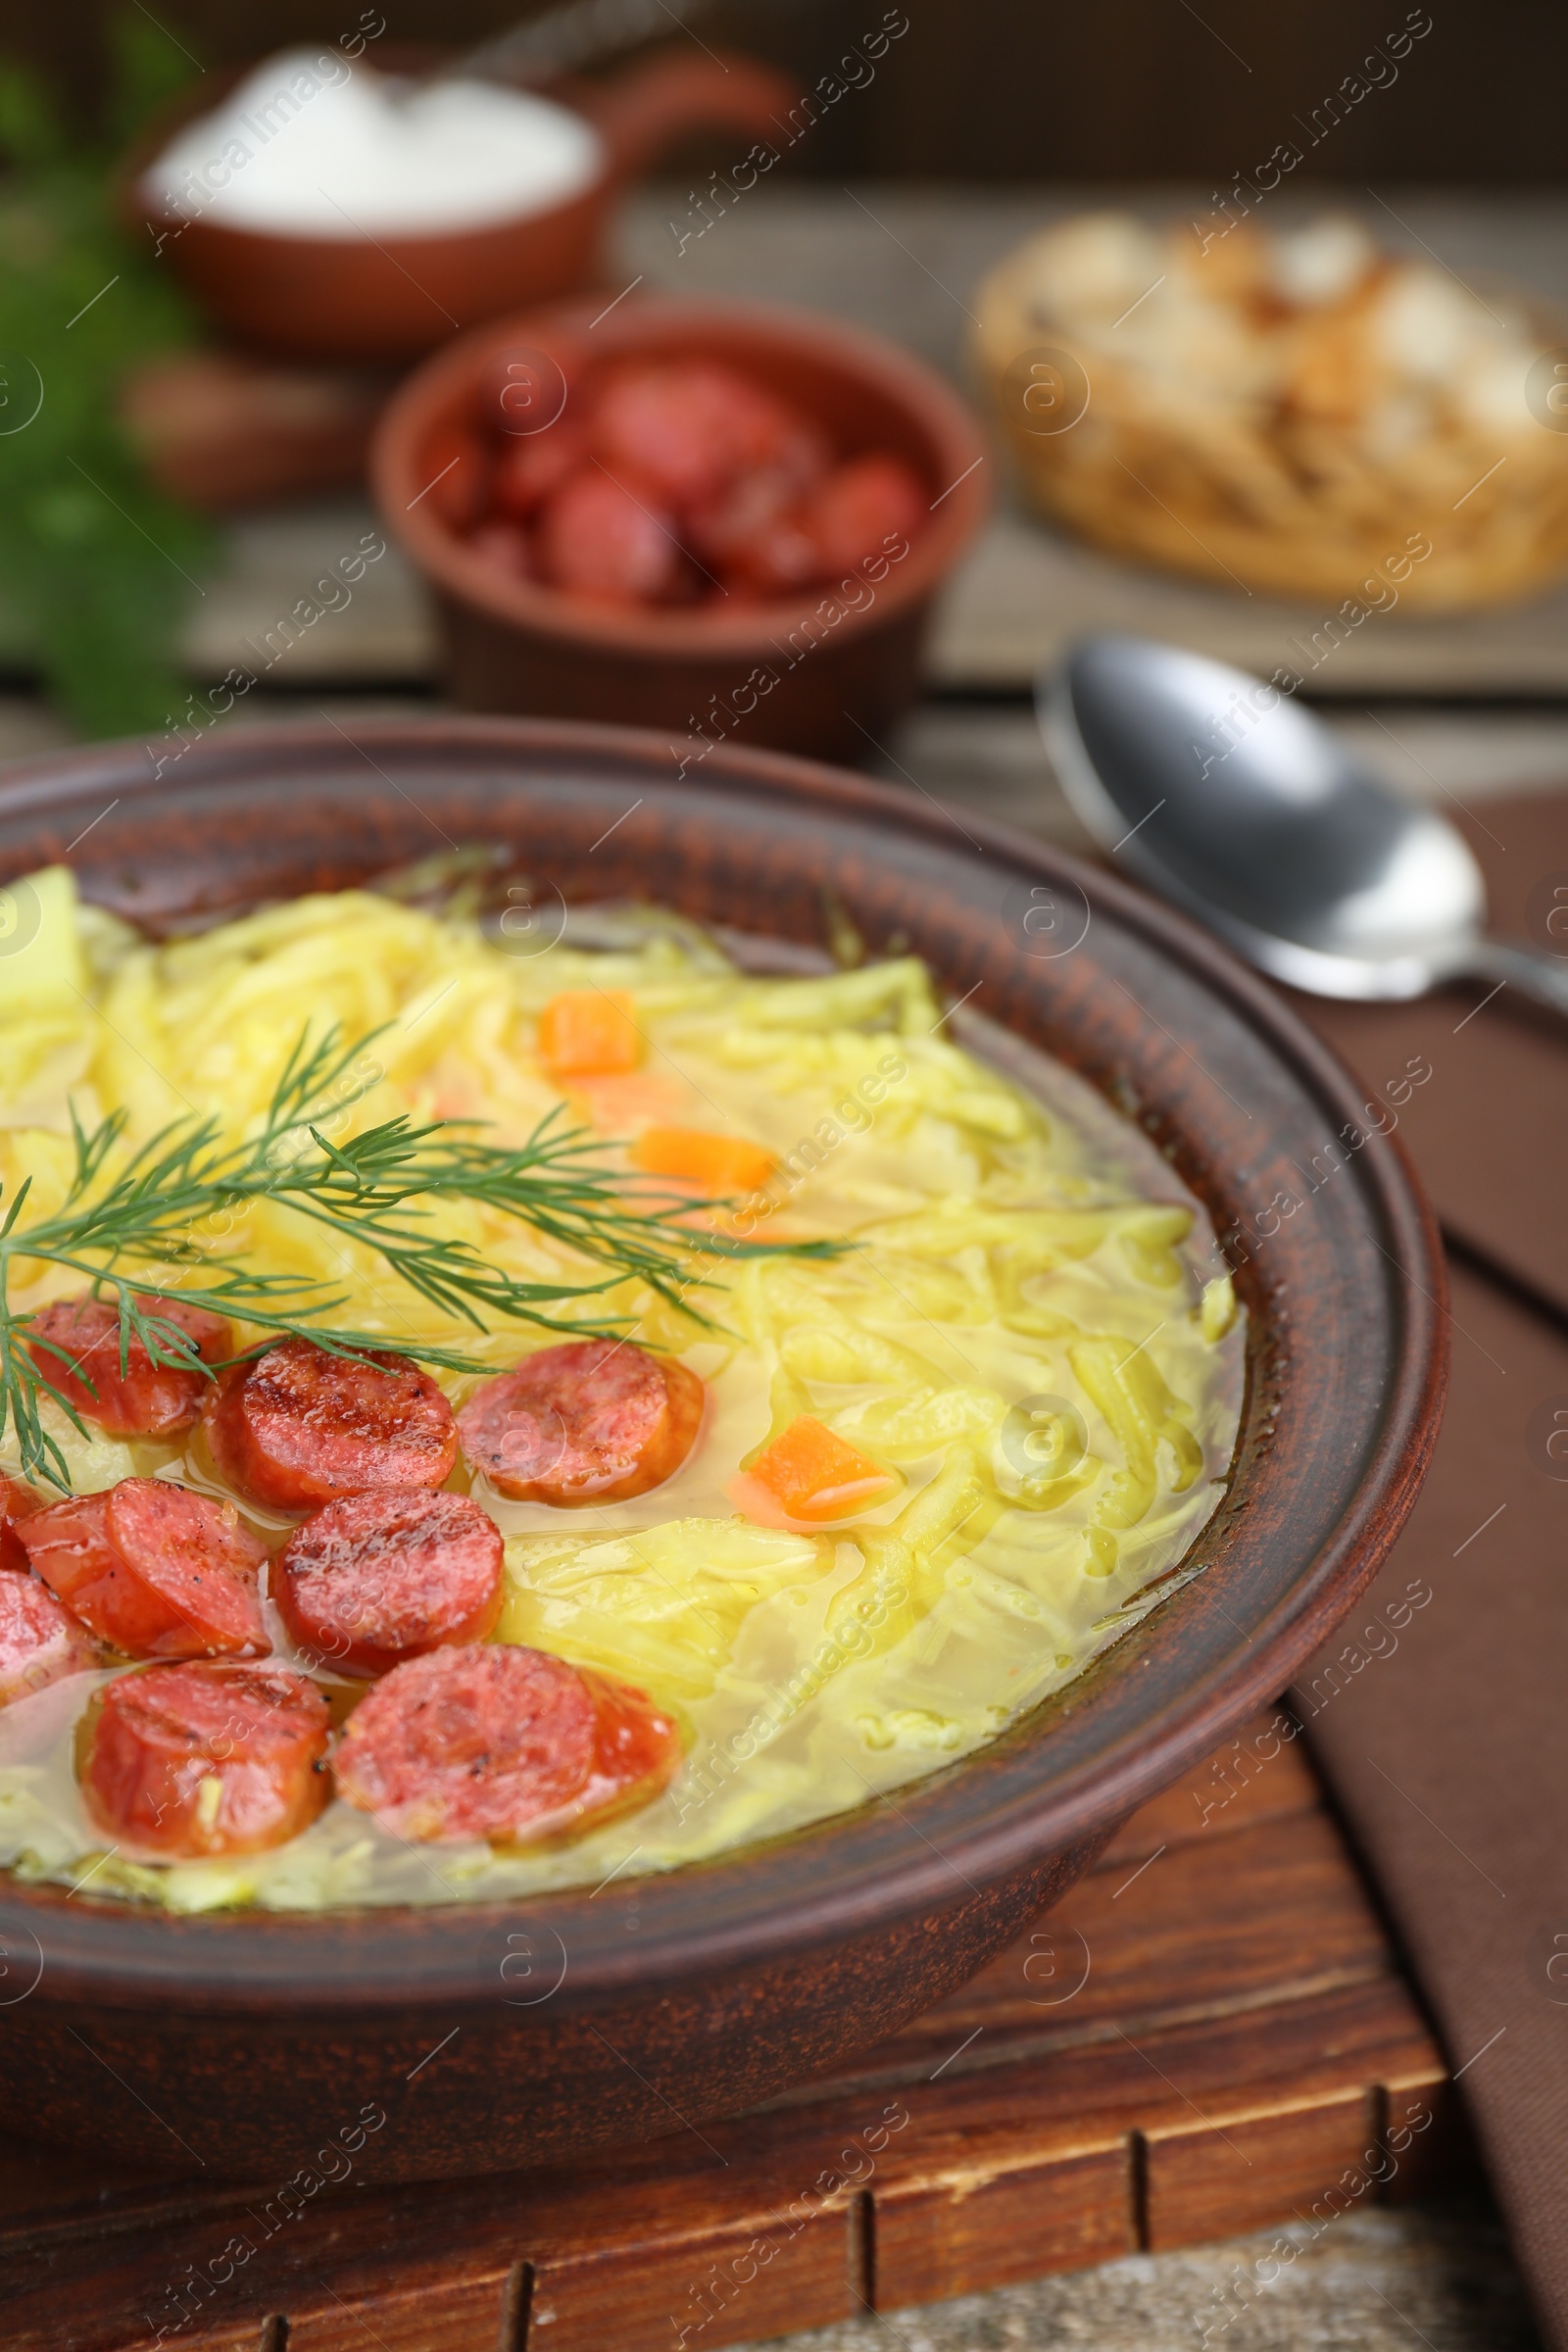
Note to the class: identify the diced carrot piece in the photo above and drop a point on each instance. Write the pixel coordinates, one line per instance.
(589, 1033)
(620, 1102)
(810, 1473)
(723, 1163)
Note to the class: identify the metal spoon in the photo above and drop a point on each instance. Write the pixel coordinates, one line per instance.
(565, 39)
(1220, 792)
(580, 34)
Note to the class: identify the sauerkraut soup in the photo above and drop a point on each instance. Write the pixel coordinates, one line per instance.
(678, 1566)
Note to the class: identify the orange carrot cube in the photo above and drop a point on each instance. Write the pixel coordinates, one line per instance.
(721, 1163)
(589, 1033)
(811, 1473)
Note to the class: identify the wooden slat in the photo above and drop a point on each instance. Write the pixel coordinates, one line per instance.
(983, 2226)
(430, 2317)
(748, 2278)
(1207, 2180)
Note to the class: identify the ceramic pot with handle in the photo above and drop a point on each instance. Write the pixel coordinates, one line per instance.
(363, 298)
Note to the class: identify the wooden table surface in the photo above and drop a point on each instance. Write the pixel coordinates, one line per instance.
(907, 264)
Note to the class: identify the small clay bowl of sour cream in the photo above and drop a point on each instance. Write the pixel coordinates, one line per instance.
(330, 208)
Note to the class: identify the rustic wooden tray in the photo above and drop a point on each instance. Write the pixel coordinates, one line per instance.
(1210, 2033)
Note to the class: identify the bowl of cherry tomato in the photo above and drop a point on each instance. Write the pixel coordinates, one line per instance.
(727, 521)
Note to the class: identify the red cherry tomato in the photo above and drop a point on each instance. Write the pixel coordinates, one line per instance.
(690, 426)
(505, 546)
(184, 1762)
(753, 513)
(863, 509)
(605, 538)
(779, 558)
(681, 479)
(529, 467)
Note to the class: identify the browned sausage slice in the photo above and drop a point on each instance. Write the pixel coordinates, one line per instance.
(182, 1762)
(592, 1421)
(376, 1578)
(17, 1501)
(297, 1427)
(502, 1742)
(41, 1641)
(146, 1400)
(156, 1569)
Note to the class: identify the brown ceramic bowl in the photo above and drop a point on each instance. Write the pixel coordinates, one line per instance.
(842, 664)
(359, 298)
(503, 2035)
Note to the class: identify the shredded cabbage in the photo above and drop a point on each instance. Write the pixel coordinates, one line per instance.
(1032, 1331)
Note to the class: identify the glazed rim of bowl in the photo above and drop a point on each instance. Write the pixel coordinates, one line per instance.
(921, 417)
(1347, 1354)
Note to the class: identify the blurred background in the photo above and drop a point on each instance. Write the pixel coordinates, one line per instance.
(189, 425)
(1011, 91)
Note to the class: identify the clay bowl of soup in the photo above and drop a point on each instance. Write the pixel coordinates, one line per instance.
(727, 520)
(588, 2003)
(358, 273)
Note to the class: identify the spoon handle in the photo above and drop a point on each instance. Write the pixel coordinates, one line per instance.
(1540, 977)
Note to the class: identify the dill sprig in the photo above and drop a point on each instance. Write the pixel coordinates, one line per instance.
(151, 1208)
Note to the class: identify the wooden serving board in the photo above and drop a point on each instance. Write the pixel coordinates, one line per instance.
(1208, 2033)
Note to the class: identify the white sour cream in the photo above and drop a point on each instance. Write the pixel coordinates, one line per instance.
(309, 146)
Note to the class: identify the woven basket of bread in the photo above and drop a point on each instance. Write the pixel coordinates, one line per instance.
(1297, 412)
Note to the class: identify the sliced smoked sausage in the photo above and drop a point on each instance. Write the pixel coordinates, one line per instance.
(374, 1579)
(75, 1345)
(502, 1742)
(592, 1421)
(182, 1762)
(297, 1427)
(17, 1501)
(156, 1569)
(41, 1641)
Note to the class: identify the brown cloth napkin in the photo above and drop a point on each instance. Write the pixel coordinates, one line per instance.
(1440, 1711)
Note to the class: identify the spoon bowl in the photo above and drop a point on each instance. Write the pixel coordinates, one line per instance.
(1218, 791)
